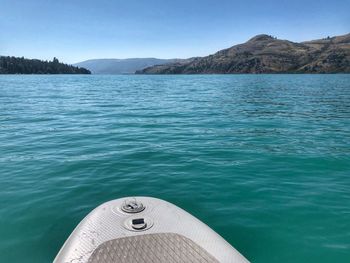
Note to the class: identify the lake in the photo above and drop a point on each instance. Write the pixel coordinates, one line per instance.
(262, 159)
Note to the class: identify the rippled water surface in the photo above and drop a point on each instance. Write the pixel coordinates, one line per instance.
(262, 159)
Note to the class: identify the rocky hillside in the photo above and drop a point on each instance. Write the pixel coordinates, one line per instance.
(266, 54)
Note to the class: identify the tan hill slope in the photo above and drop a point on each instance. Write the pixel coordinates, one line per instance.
(266, 54)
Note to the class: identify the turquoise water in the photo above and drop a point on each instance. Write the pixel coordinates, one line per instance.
(262, 159)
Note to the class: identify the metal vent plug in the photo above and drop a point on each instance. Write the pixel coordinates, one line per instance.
(132, 206)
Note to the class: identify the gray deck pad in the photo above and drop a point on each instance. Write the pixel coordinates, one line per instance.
(151, 248)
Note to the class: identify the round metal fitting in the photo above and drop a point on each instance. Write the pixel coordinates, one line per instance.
(132, 206)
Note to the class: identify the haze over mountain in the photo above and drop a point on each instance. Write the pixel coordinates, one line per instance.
(267, 54)
(121, 66)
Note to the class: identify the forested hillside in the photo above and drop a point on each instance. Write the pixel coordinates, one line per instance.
(16, 65)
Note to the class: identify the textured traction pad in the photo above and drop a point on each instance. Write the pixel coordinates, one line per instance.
(150, 248)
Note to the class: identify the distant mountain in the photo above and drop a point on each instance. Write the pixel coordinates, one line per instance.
(121, 66)
(266, 54)
(16, 65)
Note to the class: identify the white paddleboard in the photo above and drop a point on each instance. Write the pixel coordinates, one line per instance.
(144, 229)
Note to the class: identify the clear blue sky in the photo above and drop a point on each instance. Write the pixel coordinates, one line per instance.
(76, 30)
